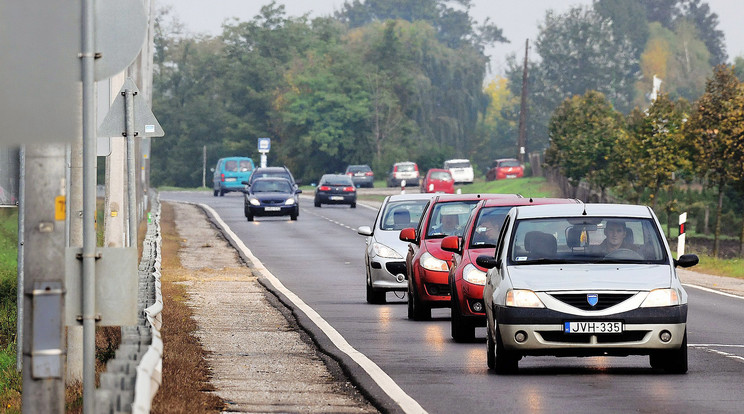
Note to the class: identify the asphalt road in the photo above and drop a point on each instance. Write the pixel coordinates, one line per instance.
(319, 257)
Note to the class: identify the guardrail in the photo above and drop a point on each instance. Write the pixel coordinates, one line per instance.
(134, 375)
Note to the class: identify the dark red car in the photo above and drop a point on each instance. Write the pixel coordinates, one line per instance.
(466, 279)
(438, 180)
(427, 265)
(505, 168)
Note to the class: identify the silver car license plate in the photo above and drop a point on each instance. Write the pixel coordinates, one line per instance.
(272, 208)
(592, 327)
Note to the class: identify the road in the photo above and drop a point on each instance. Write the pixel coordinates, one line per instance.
(319, 257)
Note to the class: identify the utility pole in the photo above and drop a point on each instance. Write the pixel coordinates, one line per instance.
(204, 166)
(523, 108)
(44, 279)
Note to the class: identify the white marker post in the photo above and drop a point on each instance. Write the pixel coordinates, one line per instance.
(681, 238)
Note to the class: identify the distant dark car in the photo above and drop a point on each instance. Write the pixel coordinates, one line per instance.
(361, 175)
(272, 196)
(262, 172)
(505, 168)
(229, 173)
(438, 180)
(335, 189)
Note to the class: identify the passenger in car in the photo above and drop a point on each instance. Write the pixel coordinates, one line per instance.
(487, 231)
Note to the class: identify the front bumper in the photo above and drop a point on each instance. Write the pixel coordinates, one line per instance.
(283, 210)
(468, 295)
(384, 272)
(434, 287)
(544, 329)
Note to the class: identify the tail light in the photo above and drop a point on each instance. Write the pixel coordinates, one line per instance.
(324, 188)
(369, 173)
(395, 168)
(349, 189)
(350, 173)
(415, 167)
(222, 178)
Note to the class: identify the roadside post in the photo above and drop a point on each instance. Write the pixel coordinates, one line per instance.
(264, 146)
(402, 186)
(681, 238)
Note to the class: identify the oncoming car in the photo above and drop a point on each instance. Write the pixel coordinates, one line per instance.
(584, 280)
(385, 255)
(466, 277)
(272, 196)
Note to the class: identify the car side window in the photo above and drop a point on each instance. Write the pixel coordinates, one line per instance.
(502, 236)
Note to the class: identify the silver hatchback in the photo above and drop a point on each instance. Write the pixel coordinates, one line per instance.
(584, 280)
(385, 255)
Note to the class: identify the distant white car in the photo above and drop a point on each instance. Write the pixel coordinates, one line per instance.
(584, 280)
(385, 255)
(461, 170)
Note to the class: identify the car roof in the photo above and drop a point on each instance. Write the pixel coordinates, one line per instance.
(591, 210)
(404, 162)
(458, 160)
(273, 178)
(528, 201)
(358, 166)
(505, 159)
(414, 196)
(272, 169)
(236, 158)
(439, 170)
(443, 198)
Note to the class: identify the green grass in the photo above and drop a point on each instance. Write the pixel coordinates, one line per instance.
(10, 380)
(720, 267)
(528, 187)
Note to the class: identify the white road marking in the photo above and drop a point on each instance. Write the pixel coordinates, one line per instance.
(726, 354)
(390, 387)
(712, 291)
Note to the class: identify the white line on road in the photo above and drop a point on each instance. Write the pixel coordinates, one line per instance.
(713, 291)
(390, 387)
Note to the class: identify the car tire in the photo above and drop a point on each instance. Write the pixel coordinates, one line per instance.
(374, 296)
(505, 362)
(246, 211)
(461, 329)
(672, 362)
(353, 205)
(216, 193)
(490, 349)
(222, 192)
(417, 310)
(293, 217)
(249, 217)
(317, 203)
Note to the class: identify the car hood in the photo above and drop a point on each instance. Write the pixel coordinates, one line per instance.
(471, 254)
(434, 247)
(391, 239)
(590, 277)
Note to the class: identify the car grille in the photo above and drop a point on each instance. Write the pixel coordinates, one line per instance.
(396, 268)
(272, 202)
(628, 336)
(605, 300)
(436, 289)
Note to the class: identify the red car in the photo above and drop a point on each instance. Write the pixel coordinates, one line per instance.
(466, 279)
(438, 180)
(427, 265)
(505, 168)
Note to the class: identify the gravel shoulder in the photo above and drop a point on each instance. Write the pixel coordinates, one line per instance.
(260, 360)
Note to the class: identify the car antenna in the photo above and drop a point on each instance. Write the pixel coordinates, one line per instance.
(531, 200)
(583, 204)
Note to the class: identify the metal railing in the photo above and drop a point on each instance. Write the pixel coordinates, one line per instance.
(134, 375)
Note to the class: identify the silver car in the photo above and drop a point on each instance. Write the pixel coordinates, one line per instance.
(385, 255)
(584, 280)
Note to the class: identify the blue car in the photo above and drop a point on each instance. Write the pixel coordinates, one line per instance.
(272, 196)
(230, 173)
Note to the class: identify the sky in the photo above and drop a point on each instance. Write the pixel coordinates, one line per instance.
(519, 19)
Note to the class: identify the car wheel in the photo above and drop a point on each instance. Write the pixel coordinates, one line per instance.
(317, 203)
(673, 362)
(490, 349)
(293, 217)
(216, 193)
(249, 217)
(246, 211)
(222, 192)
(418, 311)
(505, 362)
(374, 296)
(461, 329)
(353, 205)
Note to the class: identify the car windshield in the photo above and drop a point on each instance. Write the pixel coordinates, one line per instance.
(449, 218)
(488, 226)
(402, 214)
(441, 175)
(509, 163)
(275, 186)
(339, 180)
(586, 240)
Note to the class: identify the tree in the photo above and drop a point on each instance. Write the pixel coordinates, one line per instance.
(584, 131)
(706, 23)
(716, 131)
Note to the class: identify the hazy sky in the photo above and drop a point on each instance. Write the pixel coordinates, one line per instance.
(518, 19)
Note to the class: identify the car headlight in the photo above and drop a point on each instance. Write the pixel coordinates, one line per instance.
(661, 297)
(383, 251)
(254, 201)
(474, 275)
(430, 262)
(523, 299)
(289, 202)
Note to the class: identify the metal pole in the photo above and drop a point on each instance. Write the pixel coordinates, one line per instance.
(204, 166)
(523, 108)
(131, 175)
(89, 208)
(21, 237)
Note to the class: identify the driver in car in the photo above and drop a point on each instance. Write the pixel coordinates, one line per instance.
(615, 238)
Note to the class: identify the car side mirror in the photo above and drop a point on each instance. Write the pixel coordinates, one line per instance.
(487, 262)
(686, 260)
(364, 230)
(211, 169)
(408, 235)
(452, 244)
(298, 191)
(244, 182)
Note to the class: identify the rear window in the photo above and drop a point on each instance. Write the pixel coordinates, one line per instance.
(338, 180)
(358, 168)
(457, 164)
(441, 175)
(405, 167)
